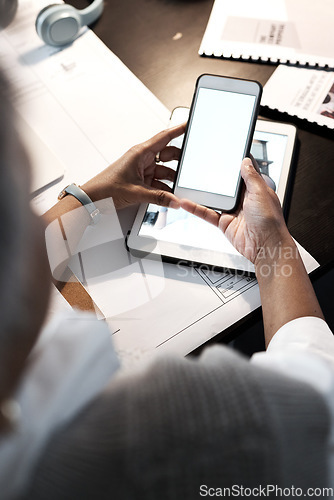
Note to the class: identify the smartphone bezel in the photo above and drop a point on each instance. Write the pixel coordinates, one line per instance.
(228, 84)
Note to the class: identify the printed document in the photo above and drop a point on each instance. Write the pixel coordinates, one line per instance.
(294, 31)
(301, 92)
(153, 306)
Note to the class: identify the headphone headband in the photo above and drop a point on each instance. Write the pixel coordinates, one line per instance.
(60, 24)
(91, 13)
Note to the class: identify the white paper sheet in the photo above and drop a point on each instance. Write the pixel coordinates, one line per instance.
(295, 31)
(153, 306)
(305, 93)
(82, 100)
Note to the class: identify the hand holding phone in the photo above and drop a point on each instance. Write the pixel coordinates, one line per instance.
(218, 136)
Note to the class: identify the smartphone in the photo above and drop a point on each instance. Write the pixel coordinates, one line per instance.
(218, 136)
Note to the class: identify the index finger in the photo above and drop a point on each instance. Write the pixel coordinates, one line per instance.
(204, 213)
(159, 141)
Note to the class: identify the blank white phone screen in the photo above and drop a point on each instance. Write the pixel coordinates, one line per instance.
(216, 142)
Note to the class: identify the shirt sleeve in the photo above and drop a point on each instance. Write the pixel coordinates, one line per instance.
(307, 334)
(304, 350)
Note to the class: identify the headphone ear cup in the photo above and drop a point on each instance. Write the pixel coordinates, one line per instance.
(58, 24)
(8, 10)
(45, 9)
(41, 12)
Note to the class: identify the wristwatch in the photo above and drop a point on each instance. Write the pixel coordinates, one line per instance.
(80, 195)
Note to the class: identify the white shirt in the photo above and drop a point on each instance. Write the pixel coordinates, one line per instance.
(304, 350)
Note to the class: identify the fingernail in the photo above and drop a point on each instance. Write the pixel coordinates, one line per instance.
(174, 204)
(247, 162)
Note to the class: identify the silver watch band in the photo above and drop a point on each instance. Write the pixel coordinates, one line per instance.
(84, 199)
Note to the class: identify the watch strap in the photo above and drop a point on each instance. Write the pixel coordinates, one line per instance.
(84, 199)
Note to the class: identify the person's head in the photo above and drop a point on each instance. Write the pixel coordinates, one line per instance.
(24, 271)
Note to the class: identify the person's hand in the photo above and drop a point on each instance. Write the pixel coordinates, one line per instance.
(137, 177)
(257, 225)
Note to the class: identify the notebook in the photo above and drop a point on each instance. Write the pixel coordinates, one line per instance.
(287, 31)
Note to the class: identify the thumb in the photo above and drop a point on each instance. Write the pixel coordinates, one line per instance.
(159, 197)
(251, 176)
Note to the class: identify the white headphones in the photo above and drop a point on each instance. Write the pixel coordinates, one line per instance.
(60, 24)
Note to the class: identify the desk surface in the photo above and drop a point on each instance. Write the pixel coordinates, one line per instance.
(142, 34)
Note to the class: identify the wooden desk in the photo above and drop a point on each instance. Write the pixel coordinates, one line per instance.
(145, 35)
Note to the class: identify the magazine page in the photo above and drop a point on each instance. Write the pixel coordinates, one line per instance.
(305, 93)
